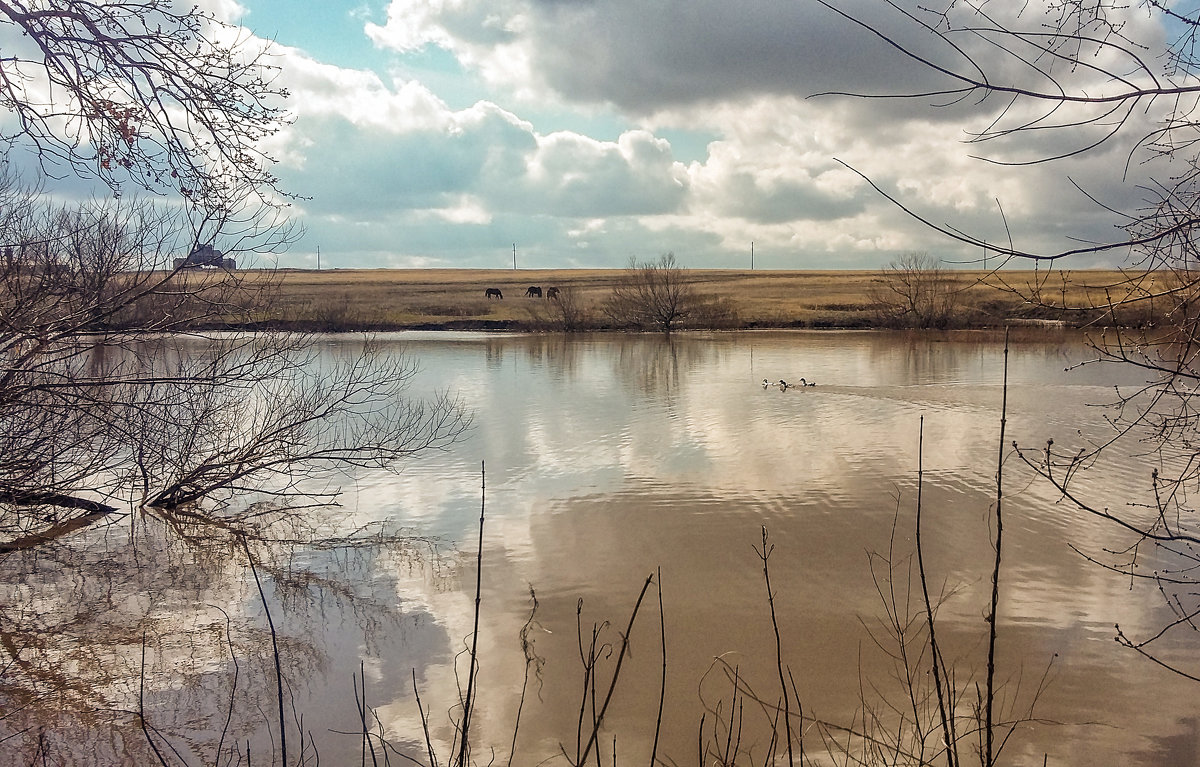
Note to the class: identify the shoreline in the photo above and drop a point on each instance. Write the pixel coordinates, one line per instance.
(382, 300)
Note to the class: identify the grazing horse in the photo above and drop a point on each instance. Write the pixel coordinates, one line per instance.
(533, 291)
(493, 293)
(551, 292)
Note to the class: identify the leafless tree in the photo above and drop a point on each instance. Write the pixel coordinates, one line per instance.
(652, 295)
(916, 291)
(104, 405)
(124, 395)
(121, 401)
(1063, 79)
(112, 400)
(1036, 72)
(148, 92)
(567, 310)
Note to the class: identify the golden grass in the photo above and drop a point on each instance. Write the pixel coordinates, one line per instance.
(454, 298)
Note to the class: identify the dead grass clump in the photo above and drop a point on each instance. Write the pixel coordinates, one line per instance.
(717, 313)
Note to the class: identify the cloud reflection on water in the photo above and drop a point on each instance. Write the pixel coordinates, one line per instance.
(608, 457)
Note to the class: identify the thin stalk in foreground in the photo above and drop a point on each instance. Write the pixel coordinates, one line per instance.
(469, 702)
(361, 704)
(764, 555)
(274, 652)
(662, 691)
(935, 653)
(612, 687)
(424, 722)
(142, 706)
(531, 659)
(991, 660)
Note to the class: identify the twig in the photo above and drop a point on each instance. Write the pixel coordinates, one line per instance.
(274, 652)
(233, 686)
(588, 660)
(799, 717)
(991, 661)
(787, 714)
(142, 705)
(729, 728)
(947, 719)
(531, 659)
(662, 692)
(361, 703)
(616, 672)
(424, 722)
(463, 746)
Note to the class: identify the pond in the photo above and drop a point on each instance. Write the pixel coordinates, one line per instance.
(597, 462)
(607, 459)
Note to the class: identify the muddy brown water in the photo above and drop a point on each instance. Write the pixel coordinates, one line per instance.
(611, 458)
(599, 461)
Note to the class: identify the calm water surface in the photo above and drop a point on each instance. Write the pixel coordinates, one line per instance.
(610, 458)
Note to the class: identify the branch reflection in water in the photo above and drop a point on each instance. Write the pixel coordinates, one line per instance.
(609, 458)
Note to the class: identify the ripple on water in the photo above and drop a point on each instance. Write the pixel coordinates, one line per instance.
(638, 456)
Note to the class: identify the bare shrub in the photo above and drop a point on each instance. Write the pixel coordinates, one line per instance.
(717, 312)
(567, 311)
(337, 311)
(653, 295)
(915, 291)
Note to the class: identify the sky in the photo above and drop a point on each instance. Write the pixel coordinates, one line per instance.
(586, 133)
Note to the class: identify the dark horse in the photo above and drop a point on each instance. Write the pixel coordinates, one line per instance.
(493, 293)
(533, 291)
(551, 292)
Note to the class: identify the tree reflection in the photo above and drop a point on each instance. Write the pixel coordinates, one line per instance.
(140, 619)
(656, 365)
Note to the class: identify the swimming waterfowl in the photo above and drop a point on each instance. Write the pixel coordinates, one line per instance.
(806, 383)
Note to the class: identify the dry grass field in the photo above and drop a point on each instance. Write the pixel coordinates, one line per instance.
(385, 299)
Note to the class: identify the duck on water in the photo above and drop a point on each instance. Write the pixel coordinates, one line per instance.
(784, 385)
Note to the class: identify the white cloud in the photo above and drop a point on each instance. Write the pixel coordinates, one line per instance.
(387, 160)
(411, 24)
(468, 210)
(401, 165)
(577, 176)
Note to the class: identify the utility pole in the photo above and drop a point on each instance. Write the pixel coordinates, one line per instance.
(514, 256)
(318, 258)
(752, 255)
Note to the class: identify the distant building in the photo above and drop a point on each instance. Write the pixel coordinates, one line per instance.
(205, 256)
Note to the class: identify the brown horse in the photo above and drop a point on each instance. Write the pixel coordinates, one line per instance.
(533, 292)
(493, 293)
(552, 292)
